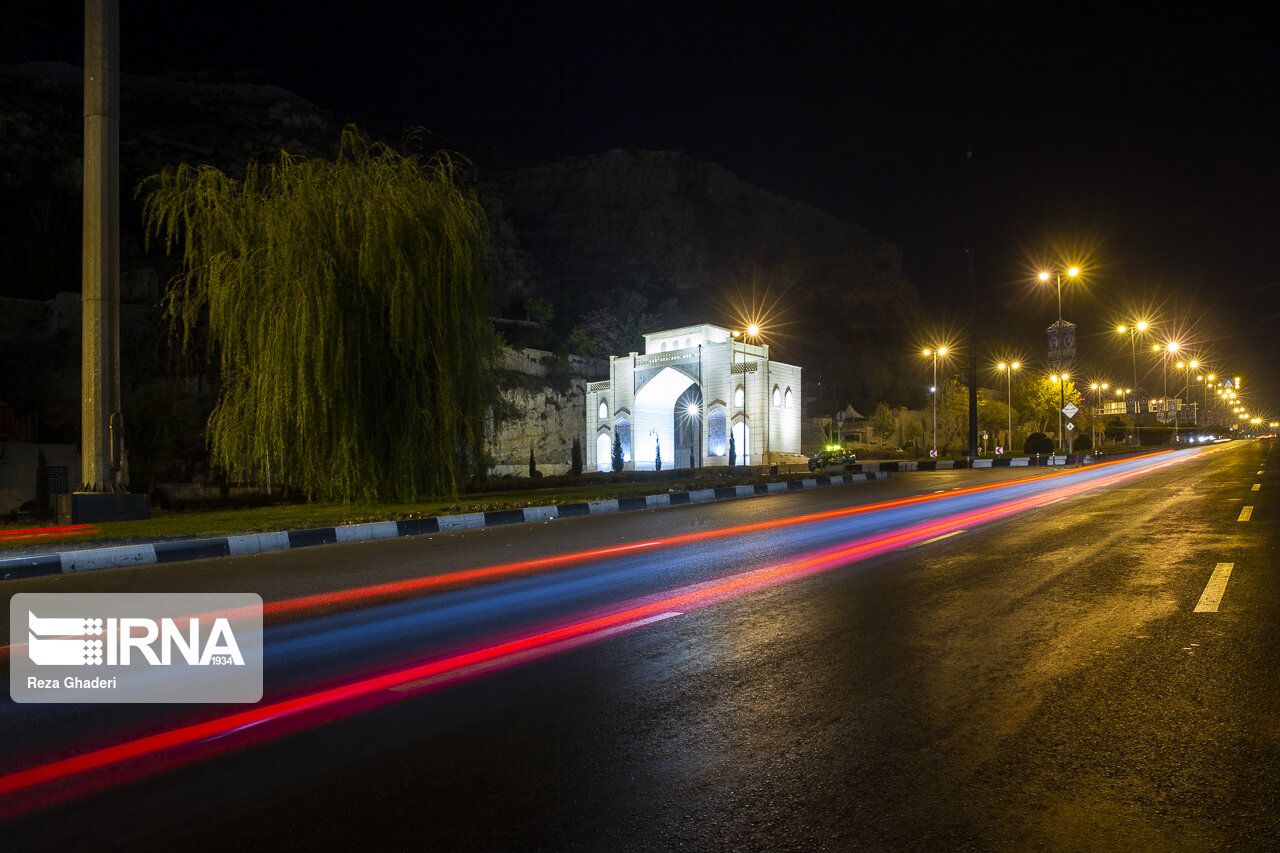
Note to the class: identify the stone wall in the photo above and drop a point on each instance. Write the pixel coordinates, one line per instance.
(18, 465)
(545, 401)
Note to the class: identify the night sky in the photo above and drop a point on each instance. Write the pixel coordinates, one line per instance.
(1133, 138)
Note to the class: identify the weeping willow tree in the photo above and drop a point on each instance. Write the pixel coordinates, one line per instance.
(346, 304)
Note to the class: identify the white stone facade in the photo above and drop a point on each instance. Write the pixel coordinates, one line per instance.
(684, 395)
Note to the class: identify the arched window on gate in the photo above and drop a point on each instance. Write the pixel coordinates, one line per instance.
(604, 452)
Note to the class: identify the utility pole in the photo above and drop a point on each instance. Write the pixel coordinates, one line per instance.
(973, 362)
(100, 273)
(102, 496)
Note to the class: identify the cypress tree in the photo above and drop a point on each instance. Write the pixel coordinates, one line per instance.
(616, 461)
(575, 458)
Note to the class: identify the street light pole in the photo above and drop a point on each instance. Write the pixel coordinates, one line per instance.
(935, 353)
(1008, 369)
(1044, 276)
(1171, 346)
(1140, 326)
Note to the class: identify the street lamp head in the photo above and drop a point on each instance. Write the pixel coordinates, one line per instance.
(753, 330)
(1015, 365)
(1044, 276)
(1002, 366)
(1155, 348)
(1180, 365)
(1073, 272)
(1194, 364)
(1142, 325)
(927, 351)
(1122, 328)
(942, 350)
(1173, 346)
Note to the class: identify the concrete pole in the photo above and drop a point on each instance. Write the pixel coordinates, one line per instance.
(100, 277)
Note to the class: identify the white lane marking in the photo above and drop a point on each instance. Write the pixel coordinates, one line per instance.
(1212, 595)
(935, 539)
(1245, 514)
(1256, 486)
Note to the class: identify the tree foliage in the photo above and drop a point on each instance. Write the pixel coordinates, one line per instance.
(346, 303)
(883, 424)
(1038, 400)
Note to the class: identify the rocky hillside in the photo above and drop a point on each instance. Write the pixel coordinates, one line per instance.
(592, 251)
(623, 241)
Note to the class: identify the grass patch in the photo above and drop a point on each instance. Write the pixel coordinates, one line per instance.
(514, 494)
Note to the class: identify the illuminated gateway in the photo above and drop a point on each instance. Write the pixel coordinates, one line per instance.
(691, 390)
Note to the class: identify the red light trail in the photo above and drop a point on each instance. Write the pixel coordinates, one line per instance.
(33, 788)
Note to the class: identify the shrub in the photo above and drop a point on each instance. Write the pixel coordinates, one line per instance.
(1083, 442)
(1038, 442)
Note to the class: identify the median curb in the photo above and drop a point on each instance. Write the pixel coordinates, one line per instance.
(92, 559)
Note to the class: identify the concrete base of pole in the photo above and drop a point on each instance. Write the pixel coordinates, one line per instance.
(96, 507)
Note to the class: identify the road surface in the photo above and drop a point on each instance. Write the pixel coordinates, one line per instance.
(951, 660)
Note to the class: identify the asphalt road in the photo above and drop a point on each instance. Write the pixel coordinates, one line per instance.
(992, 674)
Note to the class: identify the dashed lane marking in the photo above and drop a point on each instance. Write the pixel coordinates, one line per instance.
(1245, 513)
(1212, 595)
(935, 539)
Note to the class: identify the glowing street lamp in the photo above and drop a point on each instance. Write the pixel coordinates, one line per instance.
(1098, 389)
(1008, 369)
(1061, 380)
(754, 332)
(691, 415)
(1140, 326)
(1170, 347)
(939, 351)
(1044, 276)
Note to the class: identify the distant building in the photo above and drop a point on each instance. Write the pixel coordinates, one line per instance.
(691, 389)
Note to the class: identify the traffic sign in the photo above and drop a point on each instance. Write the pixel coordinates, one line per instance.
(1070, 426)
(999, 449)
(934, 453)
(1070, 410)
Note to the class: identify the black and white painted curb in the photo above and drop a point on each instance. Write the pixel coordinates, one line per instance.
(260, 543)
